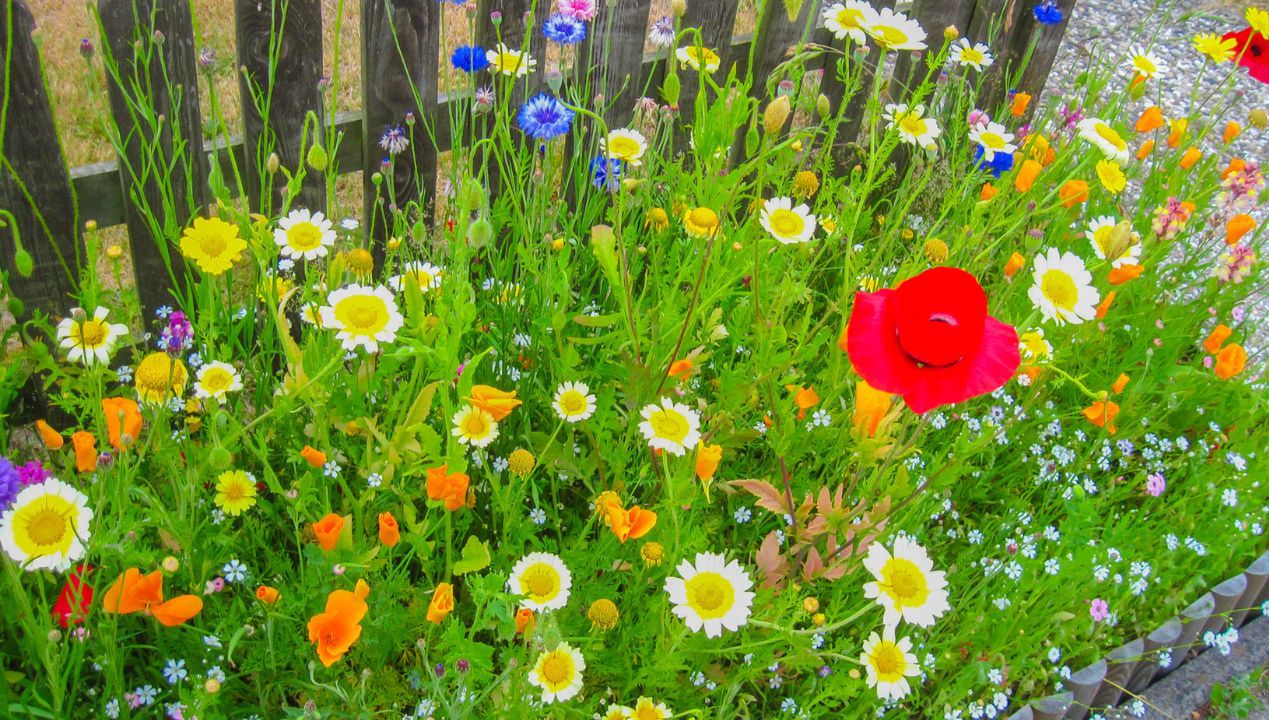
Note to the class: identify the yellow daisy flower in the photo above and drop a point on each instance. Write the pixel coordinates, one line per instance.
(212, 244)
(558, 673)
(46, 527)
(235, 492)
(159, 376)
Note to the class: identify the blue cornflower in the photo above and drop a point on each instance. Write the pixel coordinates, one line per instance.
(606, 173)
(1047, 12)
(10, 483)
(1001, 162)
(564, 29)
(544, 117)
(469, 58)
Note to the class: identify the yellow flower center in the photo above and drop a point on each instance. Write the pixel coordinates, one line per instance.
(474, 424)
(888, 662)
(90, 333)
(507, 62)
(911, 122)
(422, 278)
(972, 56)
(703, 57)
(1144, 65)
(623, 147)
(1060, 289)
(212, 244)
(304, 236)
(557, 669)
(849, 18)
(786, 223)
(217, 380)
(234, 491)
(992, 141)
(888, 35)
(362, 314)
(1108, 134)
(904, 582)
(710, 595)
(540, 582)
(669, 425)
(573, 403)
(46, 526)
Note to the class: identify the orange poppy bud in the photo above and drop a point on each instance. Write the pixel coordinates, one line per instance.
(707, 459)
(123, 421)
(442, 603)
(1121, 382)
(85, 451)
(1190, 157)
(1178, 132)
(1232, 131)
(871, 406)
(1031, 371)
(1102, 414)
(1235, 165)
(1016, 262)
(1020, 102)
(1189, 208)
(1238, 226)
(1146, 148)
(53, 440)
(448, 487)
(389, 534)
(1216, 338)
(524, 621)
(1026, 175)
(804, 398)
(267, 595)
(1104, 306)
(328, 530)
(1124, 273)
(988, 192)
(315, 457)
(1073, 192)
(1230, 361)
(1151, 119)
(679, 369)
(498, 403)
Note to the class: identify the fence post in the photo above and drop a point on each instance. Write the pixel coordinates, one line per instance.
(34, 184)
(833, 88)
(935, 16)
(775, 34)
(1017, 26)
(399, 57)
(613, 54)
(152, 78)
(716, 21)
(280, 59)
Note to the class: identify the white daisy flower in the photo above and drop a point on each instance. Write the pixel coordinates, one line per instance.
(913, 127)
(670, 426)
(625, 145)
(967, 54)
(89, 340)
(712, 594)
(364, 316)
(906, 585)
(573, 402)
(845, 20)
(993, 138)
(889, 664)
(1103, 137)
(558, 673)
(216, 379)
(1063, 290)
(46, 527)
(302, 235)
(423, 274)
(541, 580)
(892, 30)
(1101, 234)
(787, 223)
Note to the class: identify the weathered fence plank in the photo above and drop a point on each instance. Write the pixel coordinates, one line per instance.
(280, 61)
(775, 35)
(1017, 27)
(399, 44)
(152, 78)
(34, 185)
(835, 90)
(508, 22)
(716, 21)
(935, 16)
(613, 55)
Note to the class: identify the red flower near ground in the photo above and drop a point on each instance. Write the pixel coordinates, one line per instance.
(1252, 52)
(931, 340)
(77, 595)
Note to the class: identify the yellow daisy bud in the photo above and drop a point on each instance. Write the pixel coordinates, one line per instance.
(935, 251)
(652, 553)
(521, 462)
(603, 614)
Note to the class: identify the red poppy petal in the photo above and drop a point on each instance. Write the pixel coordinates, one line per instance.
(939, 315)
(873, 346)
(990, 367)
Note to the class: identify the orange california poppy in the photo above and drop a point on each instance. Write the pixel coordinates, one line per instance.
(633, 523)
(1177, 133)
(389, 534)
(1232, 131)
(451, 488)
(498, 403)
(524, 621)
(442, 603)
(123, 421)
(1016, 262)
(328, 530)
(1146, 148)
(1073, 192)
(1031, 371)
(1230, 361)
(1102, 414)
(1020, 102)
(804, 398)
(841, 340)
(1217, 338)
(1104, 306)
(1238, 226)
(1121, 382)
(339, 626)
(679, 369)
(85, 450)
(1190, 157)
(1151, 119)
(1026, 175)
(871, 406)
(313, 456)
(988, 192)
(1124, 273)
(133, 592)
(51, 438)
(267, 595)
(707, 459)
(1235, 165)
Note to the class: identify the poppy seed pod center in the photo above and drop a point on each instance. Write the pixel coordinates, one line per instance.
(940, 316)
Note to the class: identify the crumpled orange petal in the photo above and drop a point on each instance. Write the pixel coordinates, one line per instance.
(498, 403)
(177, 610)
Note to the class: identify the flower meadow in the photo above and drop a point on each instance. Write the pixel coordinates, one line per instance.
(696, 419)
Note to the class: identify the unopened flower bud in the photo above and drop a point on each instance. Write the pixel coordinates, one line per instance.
(679, 8)
(950, 33)
(776, 114)
(273, 164)
(1258, 118)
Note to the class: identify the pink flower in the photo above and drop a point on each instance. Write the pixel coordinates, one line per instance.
(583, 10)
(978, 118)
(1099, 609)
(1155, 484)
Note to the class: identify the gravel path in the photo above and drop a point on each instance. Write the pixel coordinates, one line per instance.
(1107, 29)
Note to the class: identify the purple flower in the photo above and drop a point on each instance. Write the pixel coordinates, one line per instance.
(1155, 484)
(33, 473)
(10, 484)
(469, 58)
(1099, 609)
(662, 32)
(178, 336)
(394, 140)
(86, 48)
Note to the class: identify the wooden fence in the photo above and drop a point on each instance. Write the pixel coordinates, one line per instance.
(163, 165)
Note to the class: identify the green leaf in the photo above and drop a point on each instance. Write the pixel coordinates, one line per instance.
(475, 557)
(793, 8)
(422, 405)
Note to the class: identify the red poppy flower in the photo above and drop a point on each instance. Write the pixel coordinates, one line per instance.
(931, 340)
(1252, 52)
(72, 605)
